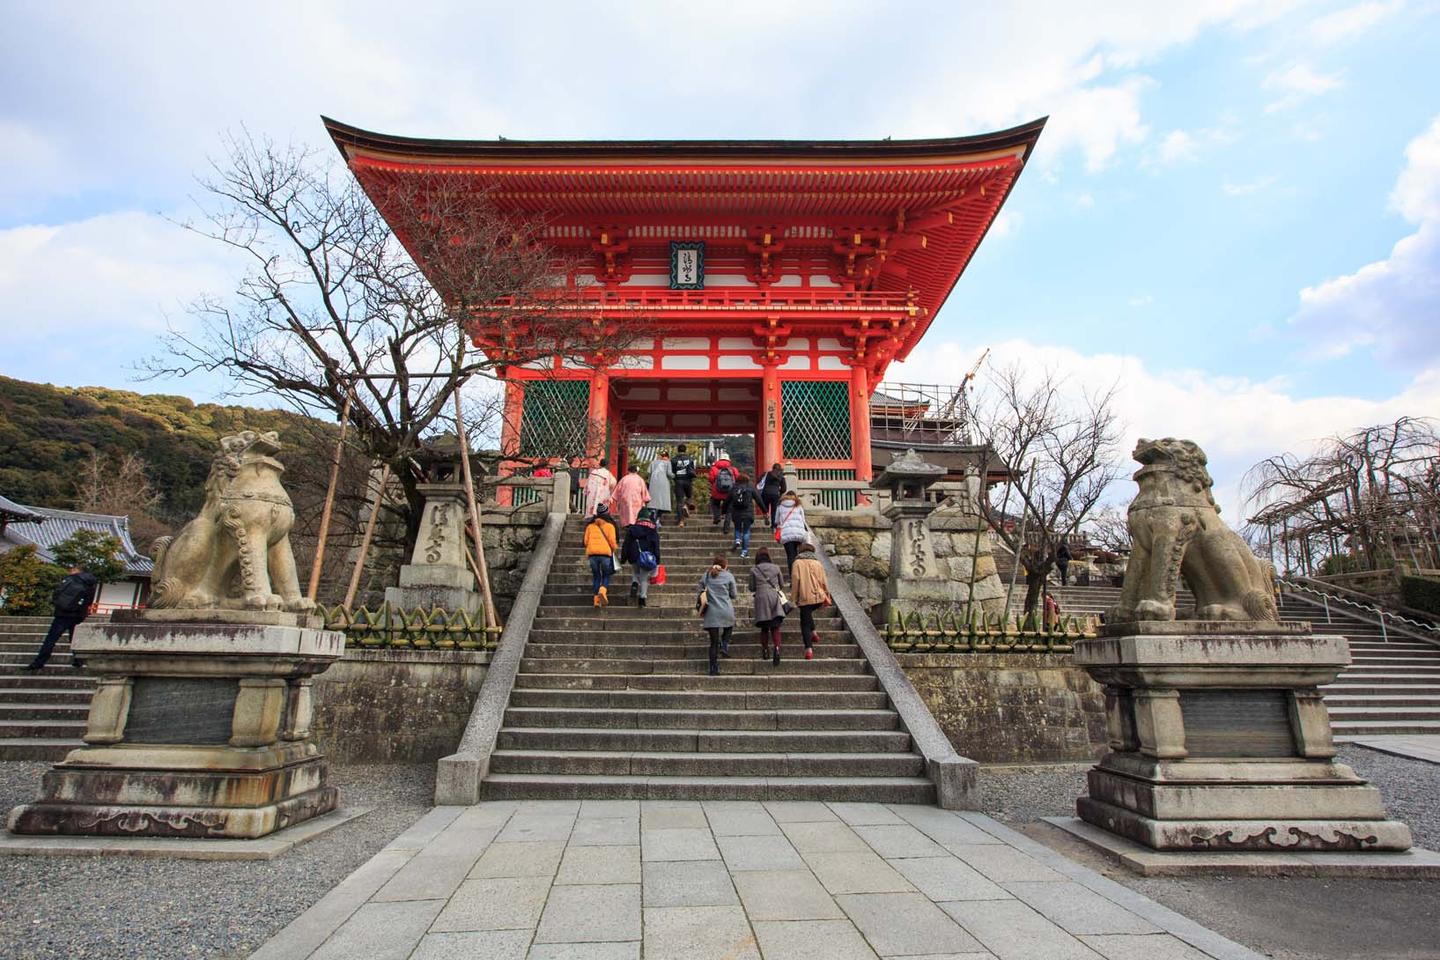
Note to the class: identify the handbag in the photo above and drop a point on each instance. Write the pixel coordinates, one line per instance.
(703, 600)
(657, 579)
(785, 603)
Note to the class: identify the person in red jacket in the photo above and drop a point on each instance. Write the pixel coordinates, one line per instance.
(722, 481)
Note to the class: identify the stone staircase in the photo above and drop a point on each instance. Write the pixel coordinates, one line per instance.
(42, 715)
(616, 703)
(1392, 685)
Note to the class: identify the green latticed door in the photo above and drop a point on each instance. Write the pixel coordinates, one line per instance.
(553, 418)
(815, 420)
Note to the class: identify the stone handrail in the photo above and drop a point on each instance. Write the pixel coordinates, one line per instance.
(955, 777)
(1321, 594)
(458, 776)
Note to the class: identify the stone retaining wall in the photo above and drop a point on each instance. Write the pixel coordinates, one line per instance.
(860, 545)
(404, 706)
(1011, 707)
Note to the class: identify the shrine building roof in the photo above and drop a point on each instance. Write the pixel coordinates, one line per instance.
(897, 217)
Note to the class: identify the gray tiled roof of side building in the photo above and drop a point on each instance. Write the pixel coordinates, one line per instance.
(59, 525)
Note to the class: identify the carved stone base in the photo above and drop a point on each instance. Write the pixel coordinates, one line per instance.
(195, 730)
(1220, 741)
(1247, 834)
(429, 597)
(127, 791)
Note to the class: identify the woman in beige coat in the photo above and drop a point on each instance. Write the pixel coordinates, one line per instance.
(807, 583)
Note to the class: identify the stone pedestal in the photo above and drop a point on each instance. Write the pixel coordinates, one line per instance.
(1219, 740)
(437, 575)
(920, 582)
(197, 729)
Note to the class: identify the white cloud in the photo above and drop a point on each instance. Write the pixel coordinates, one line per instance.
(1085, 201)
(1141, 300)
(1349, 22)
(1297, 83)
(1248, 187)
(1389, 306)
(1237, 421)
(1177, 145)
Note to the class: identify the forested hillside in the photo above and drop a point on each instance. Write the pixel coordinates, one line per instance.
(49, 435)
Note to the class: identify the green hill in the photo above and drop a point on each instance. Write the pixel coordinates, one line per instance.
(48, 433)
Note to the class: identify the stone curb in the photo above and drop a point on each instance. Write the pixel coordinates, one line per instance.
(956, 778)
(1180, 927)
(458, 776)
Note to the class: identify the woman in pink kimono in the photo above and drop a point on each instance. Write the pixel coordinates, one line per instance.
(630, 496)
(598, 488)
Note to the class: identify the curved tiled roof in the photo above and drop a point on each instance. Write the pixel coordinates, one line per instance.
(47, 528)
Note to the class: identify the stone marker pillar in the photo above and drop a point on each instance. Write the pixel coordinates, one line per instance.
(1219, 739)
(200, 726)
(437, 575)
(919, 581)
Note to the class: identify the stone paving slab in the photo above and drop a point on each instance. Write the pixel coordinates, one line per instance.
(628, 880)
(1415, 746)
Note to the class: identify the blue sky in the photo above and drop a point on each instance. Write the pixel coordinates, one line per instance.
(1234, 212)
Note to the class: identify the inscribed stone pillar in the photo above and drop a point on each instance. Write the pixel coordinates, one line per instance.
(437, 575)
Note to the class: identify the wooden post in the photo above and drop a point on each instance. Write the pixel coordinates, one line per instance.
(860, 421)
(324, 533)
(491, 620)
(365, 541)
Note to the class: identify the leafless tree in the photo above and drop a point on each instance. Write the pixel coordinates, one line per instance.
(1361, 501)
(1109, 529)
(121, 487)
(1061, 446)
(333, 304)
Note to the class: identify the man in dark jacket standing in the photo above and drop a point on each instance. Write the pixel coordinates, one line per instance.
(72, 599)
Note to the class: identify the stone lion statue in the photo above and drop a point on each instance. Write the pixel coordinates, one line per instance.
(1175, 532)
(236, 554)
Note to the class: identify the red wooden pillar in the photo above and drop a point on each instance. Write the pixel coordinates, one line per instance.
(860, 421)
(771, 423)
(599, 425)
(510, 416)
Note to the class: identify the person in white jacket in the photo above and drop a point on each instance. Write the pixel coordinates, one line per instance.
(790, 519)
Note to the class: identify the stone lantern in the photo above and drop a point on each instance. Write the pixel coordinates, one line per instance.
(918, 582)
(437, 575)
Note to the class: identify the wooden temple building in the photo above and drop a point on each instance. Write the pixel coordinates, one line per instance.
(781, 278)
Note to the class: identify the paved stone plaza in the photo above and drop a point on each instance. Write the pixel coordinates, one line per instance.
(729, 880)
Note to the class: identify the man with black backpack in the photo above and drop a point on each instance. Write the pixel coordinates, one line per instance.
(682, 466)
(743, 498)
(722, 481)
(72, 599)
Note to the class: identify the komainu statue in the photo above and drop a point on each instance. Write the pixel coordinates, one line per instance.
(236, 554)
(1175, 532)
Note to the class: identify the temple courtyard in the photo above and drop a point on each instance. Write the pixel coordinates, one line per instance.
(700, 879)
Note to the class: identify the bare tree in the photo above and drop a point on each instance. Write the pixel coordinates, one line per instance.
(1361, 501)
(333, 304)
(121, 487)
(1062, 450)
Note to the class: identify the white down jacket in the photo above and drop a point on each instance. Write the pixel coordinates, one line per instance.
(791, 519)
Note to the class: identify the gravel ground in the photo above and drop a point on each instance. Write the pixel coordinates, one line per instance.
(111, 907)
(1294, 918)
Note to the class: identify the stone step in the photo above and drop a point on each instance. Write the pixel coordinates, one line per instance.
(48, 677)
(820, 665)
(845, 721)
(1372, 678)
(749, 649)
(11, 729)
(707, 764)
(521, 786)
(1371, 689)
(660, 681)
(1351, 730)
(691, 740)
(50, 694)
(15, 659)
(37, 748)
(1339, 713)
(1389, 698)
(698, 699)
(667, 626)
(43, 711)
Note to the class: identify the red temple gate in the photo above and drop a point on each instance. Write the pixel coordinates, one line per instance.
(780, 278)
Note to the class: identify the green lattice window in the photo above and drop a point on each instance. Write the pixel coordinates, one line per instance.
(552, 421)
(815, 419)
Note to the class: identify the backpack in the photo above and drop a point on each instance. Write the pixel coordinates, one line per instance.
(683, 467)
(725, 480)
(72, 596)
(647, 561)
(743, 501)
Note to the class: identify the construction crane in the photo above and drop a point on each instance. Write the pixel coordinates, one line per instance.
(965, 382)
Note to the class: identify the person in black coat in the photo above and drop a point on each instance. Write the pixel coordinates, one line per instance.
(642, 536)
(71, 600)
(1062, 560)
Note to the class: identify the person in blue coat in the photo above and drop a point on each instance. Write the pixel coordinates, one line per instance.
(641, 550)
